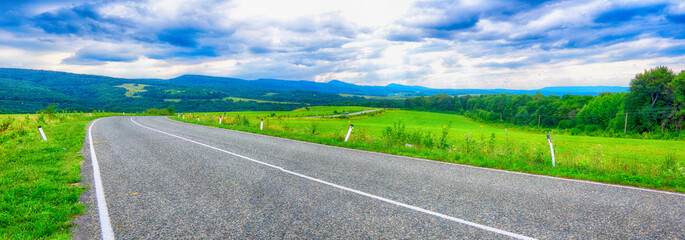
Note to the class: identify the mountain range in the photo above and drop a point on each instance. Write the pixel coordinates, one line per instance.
(26, 91)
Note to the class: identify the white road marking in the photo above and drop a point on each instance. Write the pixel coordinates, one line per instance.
(105, 224)
(404, 205)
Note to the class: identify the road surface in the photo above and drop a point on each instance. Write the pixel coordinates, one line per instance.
(166, 179)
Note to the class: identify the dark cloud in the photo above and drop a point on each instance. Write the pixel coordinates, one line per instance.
(182, 37)
(100, 55)
(454, 23)
(82, 20)
(193, 35)
(445, 19)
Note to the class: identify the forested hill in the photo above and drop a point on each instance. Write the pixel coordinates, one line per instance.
(339, 87)
(27, 91)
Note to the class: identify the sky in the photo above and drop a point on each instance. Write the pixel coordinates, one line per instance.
(439, 44)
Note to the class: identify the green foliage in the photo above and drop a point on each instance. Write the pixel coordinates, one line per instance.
(678, 88)
(50, 111)
(651, 97)
(443, 136)
(601, 110)
(160, 112)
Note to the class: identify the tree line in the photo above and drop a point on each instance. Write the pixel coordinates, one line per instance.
(653, 107)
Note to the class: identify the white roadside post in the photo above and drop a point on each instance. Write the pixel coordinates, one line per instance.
(551, 149)
(89, 114)
(261, 125)
(198, 119)
(123, 113)
(219, 120)
(179, 115)
(184, 116)
(349, 132)
(42, 134)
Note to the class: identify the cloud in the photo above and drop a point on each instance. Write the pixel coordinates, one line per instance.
(82, 20)
(460, 43)
(182, 37)
(101, 54)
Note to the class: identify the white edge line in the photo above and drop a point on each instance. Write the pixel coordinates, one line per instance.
(105, 223)
(464, 165)
(404, 205)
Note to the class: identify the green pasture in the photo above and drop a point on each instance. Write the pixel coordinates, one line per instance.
(454, 138)
(133, 88)
(326, 111)
(235, 99)
(374, 97)
(297, 113)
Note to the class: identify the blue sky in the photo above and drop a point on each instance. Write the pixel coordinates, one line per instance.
(440, 44)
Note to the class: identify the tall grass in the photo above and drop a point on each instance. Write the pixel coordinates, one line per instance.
(38, 191)
(452, 138)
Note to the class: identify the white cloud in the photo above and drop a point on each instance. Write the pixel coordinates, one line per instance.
(500, 45)
(362, 12)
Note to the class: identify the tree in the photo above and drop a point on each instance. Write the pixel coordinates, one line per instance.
(678, 87)
(651, 97)
(601, 110)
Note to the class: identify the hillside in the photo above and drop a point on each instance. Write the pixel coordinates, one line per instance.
(26, 91)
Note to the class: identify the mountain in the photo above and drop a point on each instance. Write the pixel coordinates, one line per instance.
(27, 91)
(392, 89)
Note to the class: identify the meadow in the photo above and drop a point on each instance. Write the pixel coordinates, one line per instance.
(453, 138)
(38, 179)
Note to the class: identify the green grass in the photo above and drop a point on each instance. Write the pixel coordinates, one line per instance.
(297, 113)
(235, 99)
(645, 163)
(38, 191)
(133, 89)
(325, 110)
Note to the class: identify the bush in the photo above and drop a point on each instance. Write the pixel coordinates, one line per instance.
(565, 124)
(159, 112)
(576, 131)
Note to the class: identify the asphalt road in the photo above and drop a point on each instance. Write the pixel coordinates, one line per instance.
(164, 179)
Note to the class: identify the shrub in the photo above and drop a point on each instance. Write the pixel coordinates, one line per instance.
(159, 112)
(576, 131)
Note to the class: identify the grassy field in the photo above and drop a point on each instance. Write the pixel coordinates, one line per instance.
(235, 99)
(326, 111)
(133, 89)
(38, 191)
(266, 115)
(453, 138)
(375, 97)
